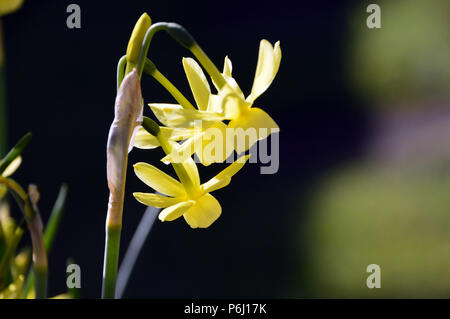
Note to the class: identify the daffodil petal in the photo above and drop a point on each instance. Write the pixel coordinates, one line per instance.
(190, 167)
(224, 177)
(12, 167)
(215, 184)
(234, 167)
(158, 180)
(175, 211)
(192, 171)
(213, 147)
(175, 116)
(233, 87)
(145, 140)
(205, 211)
(215, 103)
(252, 126)
(182, 152)
(177, 134)
(155, 200)
(228, 104)
(163, 110)
(267, 67)
(198, 82)
(227, 67)
(277, 56)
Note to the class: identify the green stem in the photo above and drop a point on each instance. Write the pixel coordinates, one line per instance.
(19, 192)
(182, 36)
(146, 43)
(54, 221)
(151, 69)
(40, 285)
(111, 262)
(121, 70)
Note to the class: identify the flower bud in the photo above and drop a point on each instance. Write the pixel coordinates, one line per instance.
(137, 36)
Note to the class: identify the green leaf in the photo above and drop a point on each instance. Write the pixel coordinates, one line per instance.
(14, 152)
(55, 218)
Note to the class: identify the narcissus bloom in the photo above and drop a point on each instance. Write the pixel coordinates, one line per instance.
(12, 167)
(228, 104)
(194, 202)
(237, 108)
(197, 137)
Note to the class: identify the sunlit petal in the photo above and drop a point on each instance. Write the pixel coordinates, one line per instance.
(183, 151)
(174, 116)
(213, 148)
(224, 177)
(145, 140)
(177, 134)
(268, 63)
(251, 126)
(205, 211)
(12, 167)
(198, 82)
(227, 67)
(192, 171)
(215, 184)
(155, 200)
(175, 211)
(158, 180)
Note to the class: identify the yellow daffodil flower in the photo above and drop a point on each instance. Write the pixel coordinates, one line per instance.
(228, 104)
(238, 109)
(194, 202)
(12, 167)
(198, 137)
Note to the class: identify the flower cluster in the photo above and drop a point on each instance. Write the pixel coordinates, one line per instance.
(203, 129)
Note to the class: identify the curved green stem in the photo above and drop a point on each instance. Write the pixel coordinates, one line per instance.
(121, 70)
(146, 43)
(17, 190)
(182, 36)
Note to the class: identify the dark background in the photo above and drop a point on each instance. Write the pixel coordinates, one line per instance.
(61, 86)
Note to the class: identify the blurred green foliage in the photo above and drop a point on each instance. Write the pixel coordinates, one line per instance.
(408, 57)
(369, 215)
